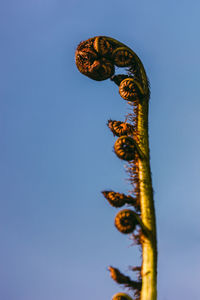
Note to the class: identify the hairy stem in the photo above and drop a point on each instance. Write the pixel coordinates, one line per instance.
(97, 58)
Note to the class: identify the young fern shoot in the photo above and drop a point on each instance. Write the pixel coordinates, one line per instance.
(97, 58)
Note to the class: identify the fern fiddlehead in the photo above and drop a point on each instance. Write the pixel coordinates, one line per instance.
(97, 58)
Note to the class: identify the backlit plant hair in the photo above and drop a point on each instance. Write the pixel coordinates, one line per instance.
(97, 58)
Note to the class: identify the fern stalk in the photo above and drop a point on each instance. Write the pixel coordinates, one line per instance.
(97, 58)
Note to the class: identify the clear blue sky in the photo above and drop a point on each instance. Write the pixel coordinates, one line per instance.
(56, 230)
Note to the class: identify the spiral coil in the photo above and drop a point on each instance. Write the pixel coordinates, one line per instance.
(125, 148)
(128, 90)
(125, 221)
(102, 46)
(121, 296)
(119, 128)
(91, 62)
(122, 57)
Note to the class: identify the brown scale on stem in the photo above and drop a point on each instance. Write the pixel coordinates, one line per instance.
(132, 117)
(132, 168)
(117, 79)
(137, 270)
(136, 237)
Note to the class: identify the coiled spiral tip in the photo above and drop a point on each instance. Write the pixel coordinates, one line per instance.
(92, 61)
(121, 296)
(122, 57)
(125, 221)
(119, 128)
(102, 45)
(125, 148)
(128, 90)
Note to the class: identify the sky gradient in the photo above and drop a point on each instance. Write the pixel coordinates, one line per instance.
(56, 230)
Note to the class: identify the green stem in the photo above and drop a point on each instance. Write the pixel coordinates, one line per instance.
(149, 245)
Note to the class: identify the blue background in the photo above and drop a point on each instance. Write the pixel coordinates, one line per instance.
(56, 230)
